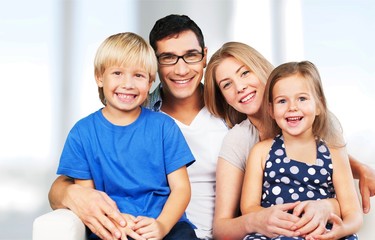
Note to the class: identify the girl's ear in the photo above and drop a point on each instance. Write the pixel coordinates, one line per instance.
(270, 110)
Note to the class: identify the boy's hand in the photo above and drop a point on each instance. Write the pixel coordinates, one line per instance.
(149, 228)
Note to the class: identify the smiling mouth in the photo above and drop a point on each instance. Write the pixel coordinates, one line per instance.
(247, 98)
(126, 96)
(183, 81)
(293, 119)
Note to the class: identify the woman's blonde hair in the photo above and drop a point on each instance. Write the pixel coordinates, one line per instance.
(326, 126)
(213, 98)
(124, 49)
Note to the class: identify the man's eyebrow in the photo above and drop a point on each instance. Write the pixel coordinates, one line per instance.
(187, 51)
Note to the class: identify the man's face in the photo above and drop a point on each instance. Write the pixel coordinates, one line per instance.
(181, 80)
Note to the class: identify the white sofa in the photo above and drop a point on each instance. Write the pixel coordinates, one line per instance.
(63, 224)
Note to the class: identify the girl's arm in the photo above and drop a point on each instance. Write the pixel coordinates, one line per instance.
(366, 176)
(346, 195)
(228, 221)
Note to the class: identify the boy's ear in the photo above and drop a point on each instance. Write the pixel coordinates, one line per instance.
(99, 80)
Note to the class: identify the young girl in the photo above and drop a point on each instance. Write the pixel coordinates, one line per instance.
(307, 160)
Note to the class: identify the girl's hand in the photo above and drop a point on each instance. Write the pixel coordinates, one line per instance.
(334, 233)
(149, 228)
(314, 217)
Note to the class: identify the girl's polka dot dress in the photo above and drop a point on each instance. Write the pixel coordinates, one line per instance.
(286, 180)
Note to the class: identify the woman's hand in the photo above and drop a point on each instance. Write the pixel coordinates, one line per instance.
(275, 220)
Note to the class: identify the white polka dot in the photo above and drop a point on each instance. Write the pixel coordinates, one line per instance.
(277, 180)
(323, 171)
(316, 181)
(279, 200)
(297, 182)
(322, 149)
(272, 174)
(279, 152)
(286, 160)
(291, 190)
(285, 180)
(294, 170)
(301, 189)
(278, 160)
(322, 192)
(282, 170)
(319, 162)
(311, 187)
(266, 184)
(268, 164)
(311, 171)
(330, 166)
(310, 194)
(295, 196)
(305, 179)
(276, 190)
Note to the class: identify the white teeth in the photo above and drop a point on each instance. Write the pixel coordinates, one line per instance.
(247, 98)
(181, 81)
(125, 96)
(294, 118)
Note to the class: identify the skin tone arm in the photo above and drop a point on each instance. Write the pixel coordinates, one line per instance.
(347, 197)
(173, 209)
(228, 224)
(93, 207)
(366, 176)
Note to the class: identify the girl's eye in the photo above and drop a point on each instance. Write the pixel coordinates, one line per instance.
(281, 101)
(302, 99)
(117, 73)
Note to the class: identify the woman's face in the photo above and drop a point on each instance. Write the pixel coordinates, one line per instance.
(240, 87)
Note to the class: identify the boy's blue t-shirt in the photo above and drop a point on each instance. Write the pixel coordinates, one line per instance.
(130, 163)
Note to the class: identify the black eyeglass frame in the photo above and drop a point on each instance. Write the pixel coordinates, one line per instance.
(180, 57)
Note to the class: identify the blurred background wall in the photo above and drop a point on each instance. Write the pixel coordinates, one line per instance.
(46, 70)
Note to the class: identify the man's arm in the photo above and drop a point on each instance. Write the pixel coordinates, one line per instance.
(93, 207)
(366, 176)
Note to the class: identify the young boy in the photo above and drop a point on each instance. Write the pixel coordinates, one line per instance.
(136, 156)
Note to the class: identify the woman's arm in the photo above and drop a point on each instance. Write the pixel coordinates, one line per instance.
(228, 223)
(93, 207)
(366, 176)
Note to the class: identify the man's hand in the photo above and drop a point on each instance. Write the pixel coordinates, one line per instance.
(366, 179)
(95, 209)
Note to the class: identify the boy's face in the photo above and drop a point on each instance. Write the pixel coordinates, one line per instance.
(181, 80)
(125, 88)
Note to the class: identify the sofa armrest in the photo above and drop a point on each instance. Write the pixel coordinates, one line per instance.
(59, 224)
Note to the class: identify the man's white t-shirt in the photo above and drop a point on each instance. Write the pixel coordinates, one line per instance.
(204, 137)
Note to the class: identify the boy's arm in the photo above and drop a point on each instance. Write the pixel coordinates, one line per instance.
(366, 176)
(178, 199)
(93, 207)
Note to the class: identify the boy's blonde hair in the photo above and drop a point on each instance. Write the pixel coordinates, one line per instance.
(326, 126)
(213, 98)
(124, 49)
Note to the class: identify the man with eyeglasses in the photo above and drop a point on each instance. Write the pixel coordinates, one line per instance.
(182, 56)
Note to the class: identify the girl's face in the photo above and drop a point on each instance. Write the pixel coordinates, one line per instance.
(125, 89)
(293, 105)
(240, 87)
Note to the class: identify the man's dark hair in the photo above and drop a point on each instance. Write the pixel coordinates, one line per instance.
(172, 25)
